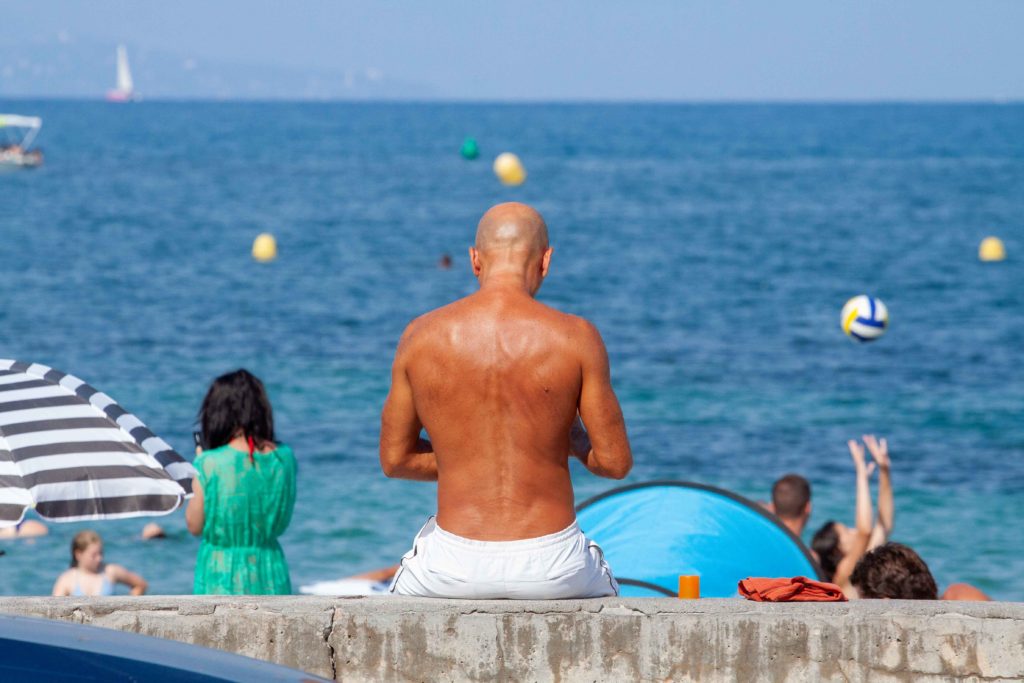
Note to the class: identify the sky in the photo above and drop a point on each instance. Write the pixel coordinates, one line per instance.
(674, 50)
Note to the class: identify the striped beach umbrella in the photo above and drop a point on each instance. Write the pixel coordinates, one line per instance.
(72, 453)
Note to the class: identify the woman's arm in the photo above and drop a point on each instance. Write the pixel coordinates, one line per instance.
(863, 522)
(282, 515)
(195, 514)
(119, 574)
(60, 586)
(886, 506)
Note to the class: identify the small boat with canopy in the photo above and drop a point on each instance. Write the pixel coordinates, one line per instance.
(17, 133)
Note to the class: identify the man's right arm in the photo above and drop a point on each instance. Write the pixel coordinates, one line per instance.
(403, 454)
(602, 446)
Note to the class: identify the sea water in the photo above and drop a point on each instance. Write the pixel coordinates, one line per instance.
(713, 246)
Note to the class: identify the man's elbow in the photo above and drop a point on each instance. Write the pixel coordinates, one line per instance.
(619, 469)
(619, 472)
(390, 467)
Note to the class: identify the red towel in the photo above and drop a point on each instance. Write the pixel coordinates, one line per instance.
(799, 589)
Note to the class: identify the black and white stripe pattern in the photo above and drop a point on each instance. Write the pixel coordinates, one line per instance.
(72, 453)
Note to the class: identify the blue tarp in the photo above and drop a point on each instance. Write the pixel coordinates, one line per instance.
(42, 650)
(654, 532)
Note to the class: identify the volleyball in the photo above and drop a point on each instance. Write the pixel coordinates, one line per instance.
(864, 318)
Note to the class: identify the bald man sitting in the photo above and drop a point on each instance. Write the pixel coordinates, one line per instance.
(500, 382)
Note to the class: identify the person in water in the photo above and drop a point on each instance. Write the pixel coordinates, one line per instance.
(791, 502)
(26, 528)
(895, 572)
(244, 492)
(840, 547)
(89, 575)
(500, 382)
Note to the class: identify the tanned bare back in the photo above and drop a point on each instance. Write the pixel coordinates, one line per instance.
(498, 380)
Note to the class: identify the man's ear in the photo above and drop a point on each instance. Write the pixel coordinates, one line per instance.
(807, 509)
(545, 261)
(474, 261)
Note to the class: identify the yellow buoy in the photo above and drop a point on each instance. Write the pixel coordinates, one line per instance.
(264, 247)
(509, 169)
(992, 249)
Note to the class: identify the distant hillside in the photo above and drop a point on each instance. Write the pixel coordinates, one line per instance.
(81, 69)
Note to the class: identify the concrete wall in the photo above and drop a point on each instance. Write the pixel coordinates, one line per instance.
(398, 639)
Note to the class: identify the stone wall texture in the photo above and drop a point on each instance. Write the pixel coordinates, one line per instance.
(616, 639)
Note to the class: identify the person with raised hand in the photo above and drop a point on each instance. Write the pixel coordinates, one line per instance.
(879, 450)
(838, 546)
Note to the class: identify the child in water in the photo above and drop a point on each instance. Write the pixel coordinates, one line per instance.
(89, 575)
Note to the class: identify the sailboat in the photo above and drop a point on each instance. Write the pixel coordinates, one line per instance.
(125, 90)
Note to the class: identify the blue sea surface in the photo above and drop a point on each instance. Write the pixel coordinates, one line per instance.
(713, 246)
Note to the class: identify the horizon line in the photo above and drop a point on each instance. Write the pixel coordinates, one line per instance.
(176, 99)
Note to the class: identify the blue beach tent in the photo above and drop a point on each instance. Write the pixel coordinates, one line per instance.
(652, 533)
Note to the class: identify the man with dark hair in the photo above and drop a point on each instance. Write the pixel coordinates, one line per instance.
(896, 572)
(791, 502)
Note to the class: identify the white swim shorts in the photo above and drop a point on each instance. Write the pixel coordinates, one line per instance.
(557, 566)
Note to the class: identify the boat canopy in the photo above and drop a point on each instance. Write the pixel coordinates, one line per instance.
(16, 122)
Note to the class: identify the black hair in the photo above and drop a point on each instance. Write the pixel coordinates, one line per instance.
(236, 402)
(894, 571)
(826, 544)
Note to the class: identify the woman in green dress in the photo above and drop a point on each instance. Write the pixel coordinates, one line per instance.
(244, 492)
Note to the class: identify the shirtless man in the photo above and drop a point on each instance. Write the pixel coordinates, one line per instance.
(500, 382)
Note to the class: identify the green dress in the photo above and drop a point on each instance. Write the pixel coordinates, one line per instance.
(246, 508)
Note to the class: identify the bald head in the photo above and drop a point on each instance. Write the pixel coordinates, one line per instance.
(512, 227)
(511, 248)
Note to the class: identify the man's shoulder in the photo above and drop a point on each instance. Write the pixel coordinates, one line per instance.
(576, 327)
(456, 314)
(425, 328)
(425, 322)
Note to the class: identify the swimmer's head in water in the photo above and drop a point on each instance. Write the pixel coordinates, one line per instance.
(512, 239)
(153, 530)
(87, 551)
(791, 497)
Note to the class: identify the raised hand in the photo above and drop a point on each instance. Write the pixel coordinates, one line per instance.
(879, 450)
(856, 452)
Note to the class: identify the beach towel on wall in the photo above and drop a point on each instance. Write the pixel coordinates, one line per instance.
(796, 589)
